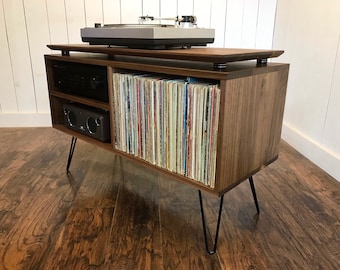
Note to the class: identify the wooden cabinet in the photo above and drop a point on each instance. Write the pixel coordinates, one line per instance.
(252, 97)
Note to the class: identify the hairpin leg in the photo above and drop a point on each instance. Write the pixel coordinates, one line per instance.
(251, 182)
(70, 155)
(211, 251)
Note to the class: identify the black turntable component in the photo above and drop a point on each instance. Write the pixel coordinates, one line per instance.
(82, 80)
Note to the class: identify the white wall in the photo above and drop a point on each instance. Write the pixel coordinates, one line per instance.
(309, 32)
(27, 26)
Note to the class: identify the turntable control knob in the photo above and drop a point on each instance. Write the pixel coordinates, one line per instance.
(189, 19)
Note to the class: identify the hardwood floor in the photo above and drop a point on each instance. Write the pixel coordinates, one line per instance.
(109, 213)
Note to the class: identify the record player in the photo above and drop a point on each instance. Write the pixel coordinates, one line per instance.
(183, 33)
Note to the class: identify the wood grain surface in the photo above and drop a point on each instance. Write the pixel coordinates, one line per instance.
(205, 54)
(111, 213)
(250, 125)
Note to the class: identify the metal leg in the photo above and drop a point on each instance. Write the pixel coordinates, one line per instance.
(211, 251)
(251, 182)
(70, 155)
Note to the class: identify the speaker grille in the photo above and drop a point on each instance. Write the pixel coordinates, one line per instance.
(87, 120)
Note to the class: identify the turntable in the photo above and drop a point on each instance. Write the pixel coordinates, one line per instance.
(183, 33)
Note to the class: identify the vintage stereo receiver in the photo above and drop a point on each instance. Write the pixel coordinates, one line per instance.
(83, 80)
(89, 121)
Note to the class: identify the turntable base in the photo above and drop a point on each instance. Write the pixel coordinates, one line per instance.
(147, 36)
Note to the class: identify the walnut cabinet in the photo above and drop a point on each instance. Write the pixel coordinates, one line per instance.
(251, 101)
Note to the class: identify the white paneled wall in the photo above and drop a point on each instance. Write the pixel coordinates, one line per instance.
(27, 26)
(20, 59)
(310, 36)
(57, 23)
(111, 11)
(331, 131)
(8, 99)
(168, 8)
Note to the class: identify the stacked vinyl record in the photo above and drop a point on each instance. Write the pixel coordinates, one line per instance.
(168, 122)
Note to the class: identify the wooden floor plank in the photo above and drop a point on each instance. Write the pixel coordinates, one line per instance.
(312, 227)
(82, 241)
(182, 233)
(36, 199)
(236, 245)
(17, 156)
(135, 241)
(100, 182)
(289, 233)
(33, 205)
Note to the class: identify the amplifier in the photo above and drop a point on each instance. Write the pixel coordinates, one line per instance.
(80, 79)
(89, 121)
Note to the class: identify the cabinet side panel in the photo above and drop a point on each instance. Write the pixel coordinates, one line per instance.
(250, 125)
(54, 104)
(277, 110)
(57, 113)
(110, 93)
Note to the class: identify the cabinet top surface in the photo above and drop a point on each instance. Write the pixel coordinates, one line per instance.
(204, 54)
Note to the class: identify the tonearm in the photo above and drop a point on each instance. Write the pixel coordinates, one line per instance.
(178, 19)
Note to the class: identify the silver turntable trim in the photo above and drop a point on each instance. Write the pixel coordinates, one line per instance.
(146, 32)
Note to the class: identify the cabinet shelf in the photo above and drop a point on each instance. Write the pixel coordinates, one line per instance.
(86, 101)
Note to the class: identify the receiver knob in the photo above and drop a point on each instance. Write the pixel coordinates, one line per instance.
(95, 82)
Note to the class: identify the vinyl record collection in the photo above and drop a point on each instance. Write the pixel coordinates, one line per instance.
(170, 123)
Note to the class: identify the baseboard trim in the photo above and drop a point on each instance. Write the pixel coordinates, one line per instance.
(314, 151)
(25, 120)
